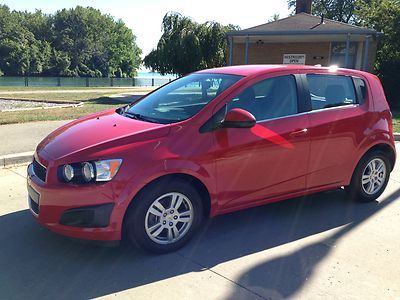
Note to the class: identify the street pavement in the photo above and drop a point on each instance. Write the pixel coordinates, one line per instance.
(17, 138)
(321, 246)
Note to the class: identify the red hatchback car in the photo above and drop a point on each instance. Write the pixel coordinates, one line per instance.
(210, 143)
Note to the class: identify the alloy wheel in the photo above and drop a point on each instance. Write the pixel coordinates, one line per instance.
(373, 176)
(169, 218)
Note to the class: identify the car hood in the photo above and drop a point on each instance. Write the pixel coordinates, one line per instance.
(97, 131)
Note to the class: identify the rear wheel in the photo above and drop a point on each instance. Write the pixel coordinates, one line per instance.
(370, 177)
(164, 217)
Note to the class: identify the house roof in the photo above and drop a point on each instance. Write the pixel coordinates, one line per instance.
(302, 24)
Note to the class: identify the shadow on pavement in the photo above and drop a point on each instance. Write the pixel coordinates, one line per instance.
(36, 263)
(123, 99)
(282, 277)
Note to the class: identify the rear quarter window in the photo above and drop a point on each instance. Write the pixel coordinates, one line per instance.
(330, 90)
(361, 89)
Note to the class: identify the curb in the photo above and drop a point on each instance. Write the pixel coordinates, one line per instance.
(15, 159)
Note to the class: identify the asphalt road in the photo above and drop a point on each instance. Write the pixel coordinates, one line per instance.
(321, 246)
(17, 138)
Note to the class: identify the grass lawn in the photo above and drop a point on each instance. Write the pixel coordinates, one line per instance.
(59, 97)
(66, 95)
(58, 113)
(95, 99)
(396, 121)
(63, 88)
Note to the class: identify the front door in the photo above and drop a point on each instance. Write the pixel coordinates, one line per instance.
(269, 159)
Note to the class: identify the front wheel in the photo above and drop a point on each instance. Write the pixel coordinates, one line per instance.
(370, 177)
(165, 216)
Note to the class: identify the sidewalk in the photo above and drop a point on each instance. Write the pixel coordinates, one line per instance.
(319, 246)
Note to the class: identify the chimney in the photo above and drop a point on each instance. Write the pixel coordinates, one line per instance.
(303, 6)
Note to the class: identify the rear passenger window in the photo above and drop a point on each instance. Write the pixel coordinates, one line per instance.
(330, 90)
(361, 89)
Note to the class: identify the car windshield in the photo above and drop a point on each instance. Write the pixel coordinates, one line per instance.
(180, 99)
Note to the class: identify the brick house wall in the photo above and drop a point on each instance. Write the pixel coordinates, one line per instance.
(272, 53)
(316, 53)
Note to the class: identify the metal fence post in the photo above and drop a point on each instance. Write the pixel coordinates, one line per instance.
(133, 81)
(58, 81)
(152, 82)
(87, 81)
(112, 81)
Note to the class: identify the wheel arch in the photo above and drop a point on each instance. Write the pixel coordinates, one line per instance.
(385, 148)
(197, 183)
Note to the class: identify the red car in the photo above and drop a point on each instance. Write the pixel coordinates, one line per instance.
(209, 143)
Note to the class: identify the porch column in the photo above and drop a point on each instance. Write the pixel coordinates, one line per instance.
(230, 50)
(246, 55)
(366, 50)
(346, 58)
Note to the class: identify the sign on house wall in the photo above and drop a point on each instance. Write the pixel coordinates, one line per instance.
(294, 59)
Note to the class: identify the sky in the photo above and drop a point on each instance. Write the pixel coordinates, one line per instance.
(144, 17)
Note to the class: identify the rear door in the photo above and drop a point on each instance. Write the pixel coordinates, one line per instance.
(337, 121)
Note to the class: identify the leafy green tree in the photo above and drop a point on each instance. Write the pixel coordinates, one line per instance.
(186, 46)
(274, 17)
(72, 42)
(338, 10)
(384, 16)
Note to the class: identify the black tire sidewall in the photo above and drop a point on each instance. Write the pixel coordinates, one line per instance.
(356, 190)
(135, 224)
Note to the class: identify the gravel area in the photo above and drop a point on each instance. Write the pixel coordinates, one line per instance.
(17, 104)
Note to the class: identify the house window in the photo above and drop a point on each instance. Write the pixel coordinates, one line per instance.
(338, 54)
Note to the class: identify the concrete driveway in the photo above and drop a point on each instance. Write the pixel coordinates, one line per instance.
(321, 246)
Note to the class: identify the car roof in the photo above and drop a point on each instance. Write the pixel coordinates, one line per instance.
(249, 70)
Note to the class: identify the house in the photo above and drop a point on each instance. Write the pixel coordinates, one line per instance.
(304, 39)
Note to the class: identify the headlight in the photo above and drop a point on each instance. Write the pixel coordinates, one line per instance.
(68, 173)
(90, 171)
(87, 171)
(106, 169)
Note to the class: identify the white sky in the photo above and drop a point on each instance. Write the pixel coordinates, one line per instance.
(144, 17)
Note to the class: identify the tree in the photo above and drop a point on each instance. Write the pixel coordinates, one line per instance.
(72, 42)
(338, 10)
(274, 17)
(384, 16)
(96, 44)
(186, 46)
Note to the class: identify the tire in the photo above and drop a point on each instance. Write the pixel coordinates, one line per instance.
(153, 225)
(373, 185)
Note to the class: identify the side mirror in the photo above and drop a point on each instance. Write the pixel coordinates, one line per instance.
(238, 118)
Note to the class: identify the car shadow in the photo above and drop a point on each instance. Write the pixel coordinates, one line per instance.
(36, 263)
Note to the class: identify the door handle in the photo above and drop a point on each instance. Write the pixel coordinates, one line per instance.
(298, 132)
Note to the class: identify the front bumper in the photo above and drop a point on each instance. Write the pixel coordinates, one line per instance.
(84, 212)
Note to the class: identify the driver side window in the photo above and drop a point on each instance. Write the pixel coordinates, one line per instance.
(271, 98)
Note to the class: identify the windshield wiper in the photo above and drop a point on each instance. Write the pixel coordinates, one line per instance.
(139, 117)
